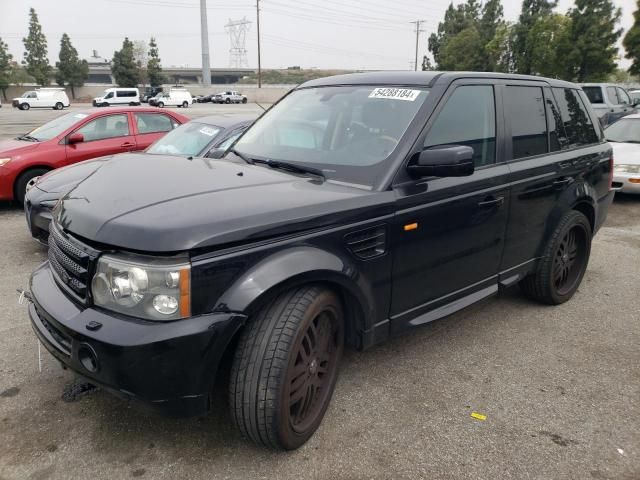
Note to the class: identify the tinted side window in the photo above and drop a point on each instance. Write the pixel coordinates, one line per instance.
(468, 118)
(109, 126)
(524, 107)
(153, 123)
(612, 95)
(594, 94)
(575, 119)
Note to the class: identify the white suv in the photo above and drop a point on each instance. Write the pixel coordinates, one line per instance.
(229, 97)
(609, 101)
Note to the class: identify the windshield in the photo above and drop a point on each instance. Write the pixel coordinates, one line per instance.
(624, 130)
(56, 126)
(348, 131)
(189, 139)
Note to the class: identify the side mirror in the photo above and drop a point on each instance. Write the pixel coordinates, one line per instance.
(445, 161)
(75, 138)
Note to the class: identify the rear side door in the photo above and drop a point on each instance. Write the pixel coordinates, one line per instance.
(625, 101)
(104, 135)
(150, 127)
(615, 104)
(449, 232)
(547, 129)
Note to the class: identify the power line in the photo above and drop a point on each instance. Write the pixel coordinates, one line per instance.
(237, 30)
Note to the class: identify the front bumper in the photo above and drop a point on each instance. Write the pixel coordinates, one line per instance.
(169, 366)
(622, 182)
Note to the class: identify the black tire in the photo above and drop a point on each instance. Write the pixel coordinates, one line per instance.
(228, 100)
(20, 188)
(160, 104)
(25, 106)
(244, 100)
(564, 262)
(58, 106)
(276, 352)
(185, 104)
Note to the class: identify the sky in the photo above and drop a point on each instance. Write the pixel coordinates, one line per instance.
(341, 34)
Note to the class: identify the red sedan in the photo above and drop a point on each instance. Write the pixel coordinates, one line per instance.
(79, 136)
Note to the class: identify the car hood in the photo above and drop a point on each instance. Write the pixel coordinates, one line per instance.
(62, 180)
(11, 146)
(158, 203)
(626, 153)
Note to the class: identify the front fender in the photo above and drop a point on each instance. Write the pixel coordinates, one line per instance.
(295, 266)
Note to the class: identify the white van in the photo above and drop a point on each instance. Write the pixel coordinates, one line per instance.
(55, 98)
(175, 97)
(118, 96)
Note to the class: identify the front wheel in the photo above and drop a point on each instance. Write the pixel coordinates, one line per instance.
(286, 366)
(564, 261)
(160, 105)
(25, 106)
(244, 100)
(25, 181)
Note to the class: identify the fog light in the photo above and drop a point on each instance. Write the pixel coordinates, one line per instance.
(165, 304)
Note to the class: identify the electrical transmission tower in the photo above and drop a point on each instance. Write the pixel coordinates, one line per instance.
(237, 30)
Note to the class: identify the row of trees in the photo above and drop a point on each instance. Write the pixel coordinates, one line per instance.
(578, 46)
(132, 64)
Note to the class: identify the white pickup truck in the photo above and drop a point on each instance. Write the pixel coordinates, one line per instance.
(229, 97)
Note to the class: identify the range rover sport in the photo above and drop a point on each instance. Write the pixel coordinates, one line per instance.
(358, 207)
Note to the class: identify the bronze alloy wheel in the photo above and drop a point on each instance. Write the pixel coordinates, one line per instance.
(312, 370)
(569, 259)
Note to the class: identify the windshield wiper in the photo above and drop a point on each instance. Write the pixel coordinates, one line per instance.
(242, 156)
(28, 138)
(291, 167)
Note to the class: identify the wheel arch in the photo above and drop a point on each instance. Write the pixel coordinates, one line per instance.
(25, 170)
(586, 206)
(302, 266)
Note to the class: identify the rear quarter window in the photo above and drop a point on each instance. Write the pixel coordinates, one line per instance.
(594, 94)
(578, 128)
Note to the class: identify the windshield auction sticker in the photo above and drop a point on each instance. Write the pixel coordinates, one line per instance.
(395, 94)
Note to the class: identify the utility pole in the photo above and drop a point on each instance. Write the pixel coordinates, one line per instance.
(204, 37)
(258, 28)
(418, 32)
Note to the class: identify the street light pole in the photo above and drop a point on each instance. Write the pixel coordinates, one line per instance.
(418, 31)
(258, 25)
(204, 37)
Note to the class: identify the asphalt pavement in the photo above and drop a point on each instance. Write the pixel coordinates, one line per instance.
(559, 387)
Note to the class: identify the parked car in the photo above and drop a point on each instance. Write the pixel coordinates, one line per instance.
(229, 97)
(204, 98)
(150, 92)
(204, 137)
(118, 96)
(609, 101)
(624, 136)
(75, 137)
(55, 98)
(358, 207)
(175, 97)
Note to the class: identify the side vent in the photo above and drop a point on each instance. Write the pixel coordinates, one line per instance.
(368, 243)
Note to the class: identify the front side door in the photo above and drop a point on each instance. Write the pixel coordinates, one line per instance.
(105, 135)
(625, 100)
(150, 127)
(449, 232)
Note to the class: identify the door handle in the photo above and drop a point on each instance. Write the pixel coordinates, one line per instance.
(491, 202)
(128, 145)
(562, 182)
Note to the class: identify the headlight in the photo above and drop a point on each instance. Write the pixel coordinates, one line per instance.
(4, 161)
(143, 287)
(626, 168)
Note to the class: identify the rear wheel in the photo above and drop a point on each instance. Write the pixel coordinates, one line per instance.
(185, 104)
(564, 262)
(24, 180)
(228, 100)
(58, 106)
(244, 100)
(285, 367)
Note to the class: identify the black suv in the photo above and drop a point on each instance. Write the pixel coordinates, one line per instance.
(357, 208)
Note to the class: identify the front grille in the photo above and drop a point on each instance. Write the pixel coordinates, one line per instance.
(71, 261)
